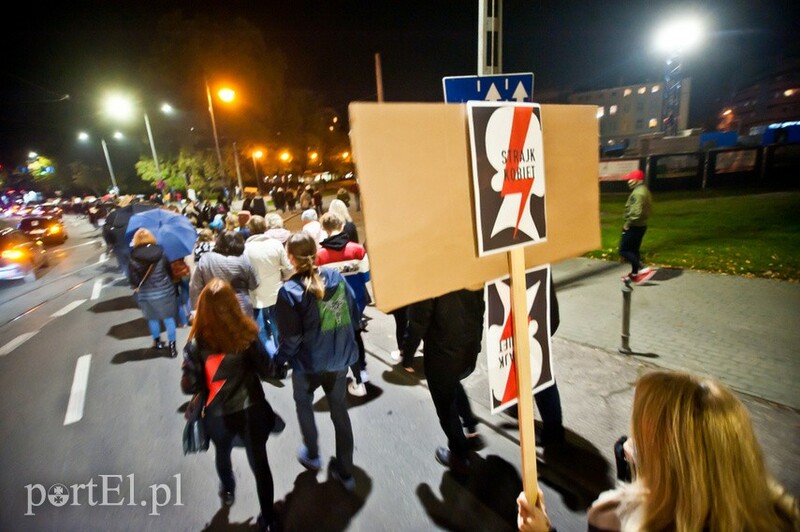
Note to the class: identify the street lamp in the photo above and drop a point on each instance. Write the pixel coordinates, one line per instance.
(84, 137)
(257, 154)
(674, 39)
(122, 108)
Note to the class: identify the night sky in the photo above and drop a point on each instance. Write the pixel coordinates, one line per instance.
(330, 47)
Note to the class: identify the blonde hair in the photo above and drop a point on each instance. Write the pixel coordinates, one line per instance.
(143, 237)
(339, 207)
(698, 461)
(231, 222)
(331, 222)
(205, 235)
(302, 247)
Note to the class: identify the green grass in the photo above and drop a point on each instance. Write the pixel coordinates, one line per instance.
(732, 232)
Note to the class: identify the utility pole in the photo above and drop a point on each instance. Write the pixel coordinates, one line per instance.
(490, 37)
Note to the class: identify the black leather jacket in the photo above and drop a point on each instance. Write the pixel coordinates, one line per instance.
(230, 381)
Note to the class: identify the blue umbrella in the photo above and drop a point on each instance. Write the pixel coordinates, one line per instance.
(174, 232)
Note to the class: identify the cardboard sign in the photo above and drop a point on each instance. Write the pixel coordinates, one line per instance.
(413, 165)
(508, 175)
(500, 342)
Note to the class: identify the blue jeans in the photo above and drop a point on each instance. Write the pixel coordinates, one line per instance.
(155, 329)
(184, 309)
(334, 385)
(266, 318)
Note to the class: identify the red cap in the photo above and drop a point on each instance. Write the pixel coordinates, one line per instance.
(636, 175)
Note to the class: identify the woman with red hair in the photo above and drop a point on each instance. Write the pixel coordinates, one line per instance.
(224, 360)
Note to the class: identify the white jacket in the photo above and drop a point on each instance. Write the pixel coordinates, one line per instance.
(269, 258)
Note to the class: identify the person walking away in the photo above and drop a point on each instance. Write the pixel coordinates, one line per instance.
(279, 198)
(114, 232)
(204, 244)
(451, 326)
(306, 199)
(344, 195)
(228, 262)
(316, 198)
(224, 362)
(268, 256)
(339, 207)
(312, 226)
(259, 206)
(637, 213)
(291, 198)
(349, 259)
(151, 279)
(317, 320)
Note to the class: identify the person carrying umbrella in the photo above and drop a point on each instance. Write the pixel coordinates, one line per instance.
(155, 293)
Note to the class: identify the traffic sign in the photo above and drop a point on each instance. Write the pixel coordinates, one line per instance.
(499, 88)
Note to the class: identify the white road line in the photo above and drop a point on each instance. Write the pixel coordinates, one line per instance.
(98, 285)
(68, 308)
(16, 342)
(103, 257)
(88, 243)
(77, 394)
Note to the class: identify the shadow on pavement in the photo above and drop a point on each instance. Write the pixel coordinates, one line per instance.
(589, 272)
(138, 355)
(130, 329)
(312, 505)
(221, 522)
(666, 274)
(373, 392)
(576, 470)
(487, 496)
(400, 377)
(111, 305)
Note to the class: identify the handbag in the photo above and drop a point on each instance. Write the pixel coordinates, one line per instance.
(178, 269)
(195, 437)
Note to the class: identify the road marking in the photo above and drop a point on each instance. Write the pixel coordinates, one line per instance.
(68, 308)
(98, 285)
(16, 342)
(87, 243)
(103, 257)
(77, 394)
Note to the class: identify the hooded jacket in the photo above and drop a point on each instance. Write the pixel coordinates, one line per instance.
(349, 259)
(317, 335)
(159, 277)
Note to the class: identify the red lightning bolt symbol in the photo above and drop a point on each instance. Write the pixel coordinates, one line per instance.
(519, 130)
(212, 365)
(510, 391)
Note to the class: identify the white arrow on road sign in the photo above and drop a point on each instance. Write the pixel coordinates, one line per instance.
(520, 94)
(493, 95)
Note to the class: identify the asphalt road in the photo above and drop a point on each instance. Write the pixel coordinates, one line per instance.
(91, 430)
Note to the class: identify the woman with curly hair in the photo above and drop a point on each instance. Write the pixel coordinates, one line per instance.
(224, 362)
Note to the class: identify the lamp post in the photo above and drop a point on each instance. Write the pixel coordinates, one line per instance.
(674, 39)
(214, 126)
(84, 137)
(257, 154)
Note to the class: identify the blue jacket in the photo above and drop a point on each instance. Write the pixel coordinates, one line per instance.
(317, 336)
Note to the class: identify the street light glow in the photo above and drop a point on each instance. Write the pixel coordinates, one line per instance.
(258, 154)
(119, 107)
(679, 36)
(83, 136)
(226, 95)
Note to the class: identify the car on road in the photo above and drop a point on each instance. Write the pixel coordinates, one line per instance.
(20, 256)
(48, 209)
(48, 229)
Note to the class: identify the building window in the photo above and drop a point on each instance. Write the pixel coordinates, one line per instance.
(642, 90)
(640, 106)
(601, 111)
(612, 110)
(655, 88)
(639, 123)
(653, 123)
(627, 92)
(626, 107)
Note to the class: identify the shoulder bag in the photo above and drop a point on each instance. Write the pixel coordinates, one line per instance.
(147, 273)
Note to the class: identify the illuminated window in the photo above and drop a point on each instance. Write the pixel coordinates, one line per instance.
(612, 110)
(627, 92)
(600, 112)
(642, 90)
(655, 88)
(653, 123)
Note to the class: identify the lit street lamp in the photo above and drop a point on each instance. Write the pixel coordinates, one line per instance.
(674, 39)
(257, 154)
(227, 95)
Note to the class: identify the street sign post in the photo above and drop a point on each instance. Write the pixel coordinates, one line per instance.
(499, 88)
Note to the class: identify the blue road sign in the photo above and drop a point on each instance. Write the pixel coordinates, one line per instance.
(499, 88)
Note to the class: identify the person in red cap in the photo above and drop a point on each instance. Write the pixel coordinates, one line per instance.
(637, 212)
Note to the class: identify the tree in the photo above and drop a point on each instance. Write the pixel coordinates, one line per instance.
(191, 169)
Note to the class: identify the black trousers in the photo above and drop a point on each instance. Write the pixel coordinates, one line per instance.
(253, 426)
(629, 245)
(451, 403)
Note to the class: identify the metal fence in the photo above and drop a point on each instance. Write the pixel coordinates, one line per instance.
(771, 166)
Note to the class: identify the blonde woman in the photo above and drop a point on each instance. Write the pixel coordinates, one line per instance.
(337, 206)
(696, 465)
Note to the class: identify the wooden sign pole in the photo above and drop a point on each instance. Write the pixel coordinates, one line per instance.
(522, 363)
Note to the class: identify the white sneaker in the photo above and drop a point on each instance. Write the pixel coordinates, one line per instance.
(364, 376)
(395, 355)
(359, 390)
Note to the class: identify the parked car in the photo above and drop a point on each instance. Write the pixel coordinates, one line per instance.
(20, 256)
(48, 229)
